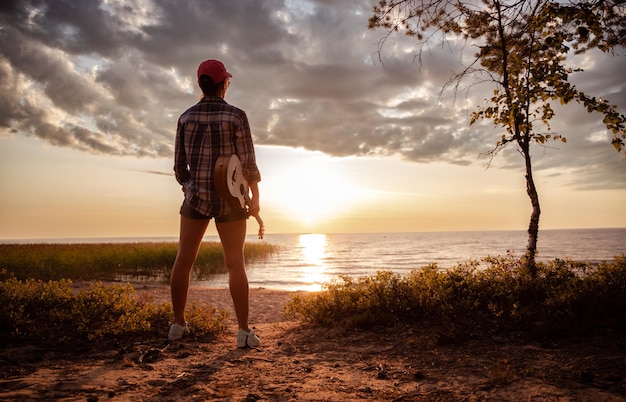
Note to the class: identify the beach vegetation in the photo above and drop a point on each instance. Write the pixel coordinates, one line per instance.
(487, 296)
(111, 261)
(55, 314)
(40, 304)
(525, 51)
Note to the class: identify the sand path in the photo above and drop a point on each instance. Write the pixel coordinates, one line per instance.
(299, 363)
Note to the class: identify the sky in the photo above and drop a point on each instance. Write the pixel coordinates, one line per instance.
(349, 137)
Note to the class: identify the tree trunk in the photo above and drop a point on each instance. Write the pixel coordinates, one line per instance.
(533, 227)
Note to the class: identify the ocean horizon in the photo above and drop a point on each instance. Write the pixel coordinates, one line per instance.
(307, 261)
(253, 237)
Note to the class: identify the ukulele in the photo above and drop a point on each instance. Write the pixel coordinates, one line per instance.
(231, 185)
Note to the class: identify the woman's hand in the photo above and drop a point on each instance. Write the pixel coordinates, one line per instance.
(254, 208)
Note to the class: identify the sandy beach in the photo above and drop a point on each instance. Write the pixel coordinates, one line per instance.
(299, 363)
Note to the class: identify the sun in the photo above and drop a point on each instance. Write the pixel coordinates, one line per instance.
(310, 192)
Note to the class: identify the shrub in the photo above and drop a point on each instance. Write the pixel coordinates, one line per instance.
(52, 313)
(496, 295)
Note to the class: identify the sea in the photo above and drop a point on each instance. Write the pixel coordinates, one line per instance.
(309, 261)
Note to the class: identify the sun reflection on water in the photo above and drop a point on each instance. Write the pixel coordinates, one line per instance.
(314, 253)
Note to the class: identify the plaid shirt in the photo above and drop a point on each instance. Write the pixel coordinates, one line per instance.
(209, 129)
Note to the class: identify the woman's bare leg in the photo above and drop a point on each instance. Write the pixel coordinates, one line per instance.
(191, 233)
(233, 236)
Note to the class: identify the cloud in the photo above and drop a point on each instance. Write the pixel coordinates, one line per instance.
(112, 76)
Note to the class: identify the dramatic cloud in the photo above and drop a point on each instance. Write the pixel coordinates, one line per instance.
(112, 76)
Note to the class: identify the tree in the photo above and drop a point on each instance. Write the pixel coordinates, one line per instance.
(522, 48)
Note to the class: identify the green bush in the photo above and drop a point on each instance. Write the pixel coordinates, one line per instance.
(53, 313)
(494, 294)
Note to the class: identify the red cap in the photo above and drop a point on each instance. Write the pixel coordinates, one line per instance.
(214, 69)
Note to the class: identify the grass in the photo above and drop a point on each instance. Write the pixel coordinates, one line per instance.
(566, 298)
(112, 260)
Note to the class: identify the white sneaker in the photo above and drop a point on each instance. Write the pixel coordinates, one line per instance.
(247, 339)
(176, 332)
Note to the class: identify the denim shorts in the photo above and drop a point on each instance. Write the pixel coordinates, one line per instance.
(232, 215)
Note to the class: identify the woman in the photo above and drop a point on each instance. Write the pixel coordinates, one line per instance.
(207, 130)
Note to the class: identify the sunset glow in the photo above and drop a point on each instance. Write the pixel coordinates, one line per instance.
(313, 248)
(347, 139)
(312, 192)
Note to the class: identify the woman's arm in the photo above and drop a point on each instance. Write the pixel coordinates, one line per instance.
(181, 166)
